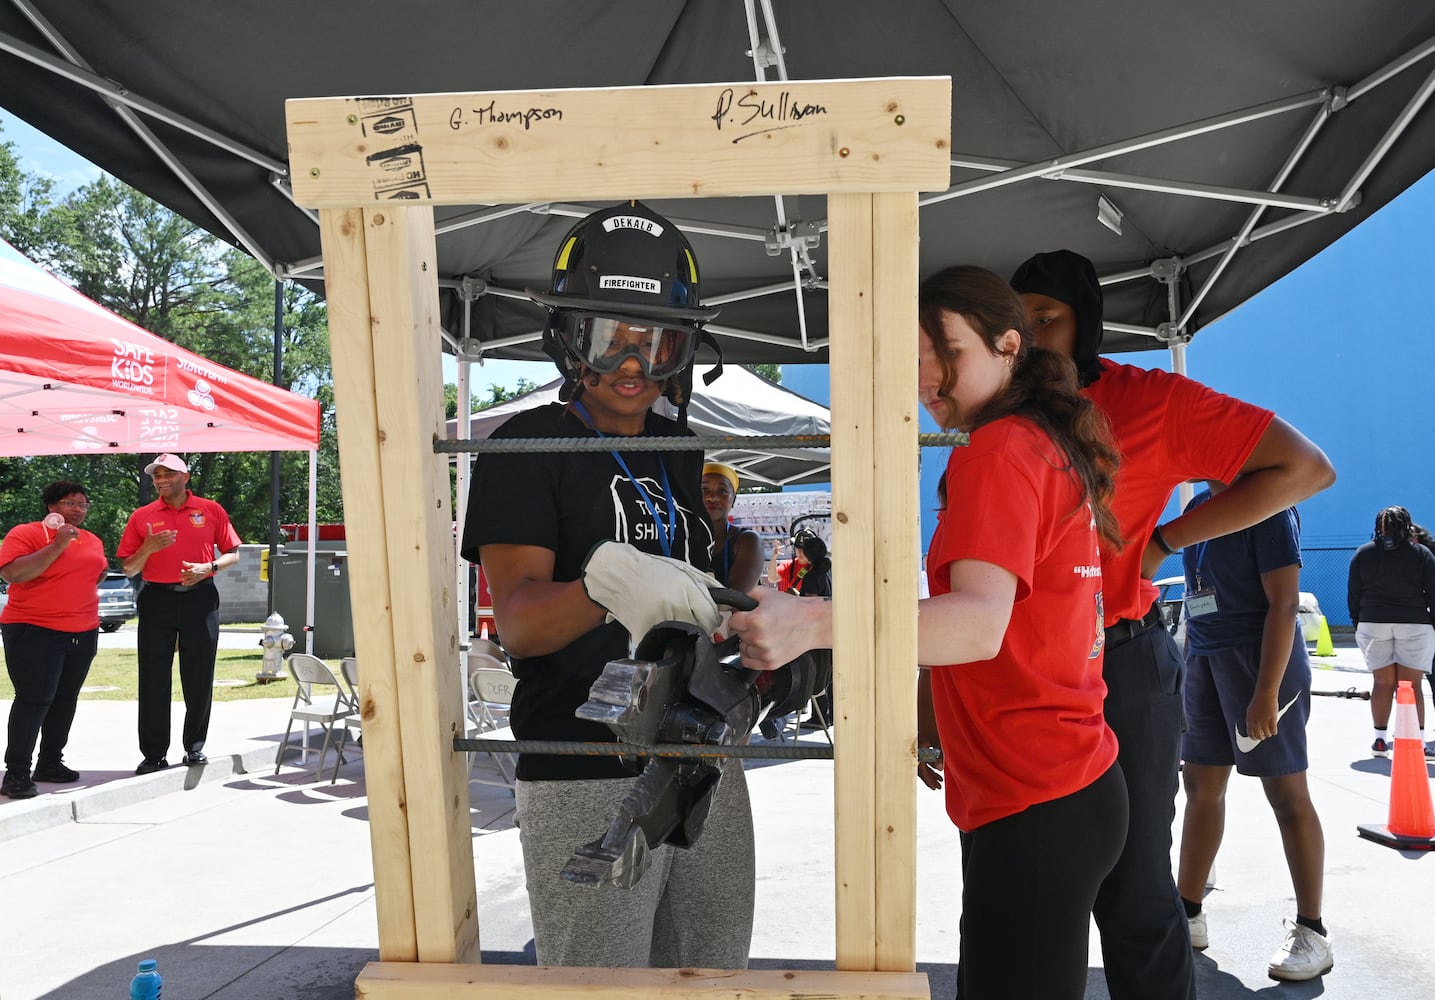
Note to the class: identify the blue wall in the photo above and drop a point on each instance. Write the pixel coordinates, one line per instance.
(1344, 349)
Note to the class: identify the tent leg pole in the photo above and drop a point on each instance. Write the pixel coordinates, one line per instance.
(274, 455)
(313, 540)
(460, 505)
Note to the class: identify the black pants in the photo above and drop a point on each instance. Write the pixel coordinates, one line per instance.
(47, 668)
(1145, 940)
(1028, 885)
(189, 619)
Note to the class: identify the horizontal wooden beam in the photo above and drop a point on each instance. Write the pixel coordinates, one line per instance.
(439, 981)
(693, 140)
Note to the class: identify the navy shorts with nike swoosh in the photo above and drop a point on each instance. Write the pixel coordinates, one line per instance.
(1218, 690)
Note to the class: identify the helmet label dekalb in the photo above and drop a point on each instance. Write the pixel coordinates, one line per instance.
(628, 282)
(649, 226)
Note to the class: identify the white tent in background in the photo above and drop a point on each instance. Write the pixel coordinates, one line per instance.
(738, 403)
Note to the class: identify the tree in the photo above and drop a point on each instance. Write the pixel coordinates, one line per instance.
(496, 394)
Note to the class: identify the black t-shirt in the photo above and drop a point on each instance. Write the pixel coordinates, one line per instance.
(568, 503)
(1394, 586)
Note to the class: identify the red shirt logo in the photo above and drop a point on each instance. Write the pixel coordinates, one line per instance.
(196, 518)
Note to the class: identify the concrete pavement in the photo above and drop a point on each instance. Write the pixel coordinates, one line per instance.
(250, 886)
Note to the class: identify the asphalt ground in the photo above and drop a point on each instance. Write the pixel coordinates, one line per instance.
(247, 885)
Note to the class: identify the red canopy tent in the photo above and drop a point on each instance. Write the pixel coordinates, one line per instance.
(76, 378)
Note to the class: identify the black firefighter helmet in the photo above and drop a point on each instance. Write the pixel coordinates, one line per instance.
(625, 283)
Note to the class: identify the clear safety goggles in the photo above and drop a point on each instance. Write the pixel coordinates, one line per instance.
(604, 342)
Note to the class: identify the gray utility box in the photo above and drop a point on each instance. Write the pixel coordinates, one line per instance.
(333, 616)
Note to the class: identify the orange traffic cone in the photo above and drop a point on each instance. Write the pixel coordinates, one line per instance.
(1412, 814)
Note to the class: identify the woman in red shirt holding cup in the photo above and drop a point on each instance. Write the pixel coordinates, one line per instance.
(1010, 641)
(49, 625)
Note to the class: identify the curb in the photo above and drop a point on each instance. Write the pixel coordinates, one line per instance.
(48, 811)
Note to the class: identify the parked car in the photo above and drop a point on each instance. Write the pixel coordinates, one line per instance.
(1171, 593)
(117, 601)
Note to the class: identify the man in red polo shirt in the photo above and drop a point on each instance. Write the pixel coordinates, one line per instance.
(179, 542)
(1168, 429)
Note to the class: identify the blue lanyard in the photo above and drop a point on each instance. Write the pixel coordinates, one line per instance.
(666, 532)
(1200, 557)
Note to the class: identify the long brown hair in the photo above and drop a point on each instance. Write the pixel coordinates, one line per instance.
(1043, 386)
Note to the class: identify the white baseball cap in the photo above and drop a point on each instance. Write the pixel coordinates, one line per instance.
(167, 461)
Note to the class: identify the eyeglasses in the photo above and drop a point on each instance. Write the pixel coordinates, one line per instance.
(75, 504)
(604, 342)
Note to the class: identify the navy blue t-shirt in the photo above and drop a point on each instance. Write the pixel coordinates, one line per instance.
(1232, 565)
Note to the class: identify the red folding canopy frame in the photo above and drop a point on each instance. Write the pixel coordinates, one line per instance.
(75, 378)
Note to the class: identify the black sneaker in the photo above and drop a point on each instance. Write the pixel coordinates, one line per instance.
(19, 788)
(56, 773)
(151, 764)
(194, 758)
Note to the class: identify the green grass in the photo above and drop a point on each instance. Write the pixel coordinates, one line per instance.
(116, 669)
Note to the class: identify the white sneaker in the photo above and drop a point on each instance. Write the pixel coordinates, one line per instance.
(1200, 938)
(1304, 955)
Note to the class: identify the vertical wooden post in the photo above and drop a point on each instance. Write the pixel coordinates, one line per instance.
(346, 280)
(872, 296)
(897, 532)
(398, 505)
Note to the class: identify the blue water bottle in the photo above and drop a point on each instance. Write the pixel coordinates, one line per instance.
(147, 982)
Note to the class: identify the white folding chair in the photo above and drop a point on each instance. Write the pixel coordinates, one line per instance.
(312, 703)
(490, 695)
(349, 671)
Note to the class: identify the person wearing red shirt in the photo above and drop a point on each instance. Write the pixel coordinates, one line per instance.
(1168, 429)
(1011, 640)
(49, 625)
(178, 542)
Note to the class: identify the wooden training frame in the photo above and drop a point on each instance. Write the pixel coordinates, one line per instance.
(374, 166)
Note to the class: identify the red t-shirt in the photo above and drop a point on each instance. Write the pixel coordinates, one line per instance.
(204, 533)
(1168, 429)
(1025, 727)
(65, 597)
(787, 577)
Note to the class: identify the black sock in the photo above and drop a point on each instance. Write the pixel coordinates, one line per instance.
(1191, 908)
(1313, 923)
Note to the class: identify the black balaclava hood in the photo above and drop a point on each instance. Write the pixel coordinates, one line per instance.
(1069, 277)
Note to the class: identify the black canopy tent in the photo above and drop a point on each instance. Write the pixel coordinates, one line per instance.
(1227, 141)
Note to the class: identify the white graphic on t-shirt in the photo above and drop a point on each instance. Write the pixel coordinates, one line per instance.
(1100, 643)
(633, 523)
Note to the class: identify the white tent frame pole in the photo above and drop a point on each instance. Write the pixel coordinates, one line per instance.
(463, 462)
(1396, 129)
(1109, 179)
(121, 102)
(1158, 138)
(310, 564)
(1322, 116)
(767, 51)
(1185, 491)
(115, 92)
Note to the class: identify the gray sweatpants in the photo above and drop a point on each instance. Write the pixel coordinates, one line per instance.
(693, 908)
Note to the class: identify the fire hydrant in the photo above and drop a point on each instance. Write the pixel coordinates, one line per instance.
(275, 643)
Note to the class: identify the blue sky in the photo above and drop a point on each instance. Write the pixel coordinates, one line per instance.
(1343, 348)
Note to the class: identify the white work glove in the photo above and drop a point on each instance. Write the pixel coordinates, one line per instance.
(640, 590)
